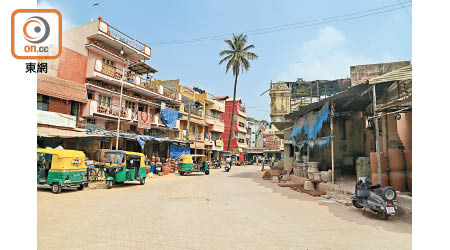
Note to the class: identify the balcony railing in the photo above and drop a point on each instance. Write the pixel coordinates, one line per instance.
(109, 70)
(213, 118)
(113, 110)
(156, 87)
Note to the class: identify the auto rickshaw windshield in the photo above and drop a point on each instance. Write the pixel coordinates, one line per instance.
(114, 157)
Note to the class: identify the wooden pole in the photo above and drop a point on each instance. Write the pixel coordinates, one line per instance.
(377, 133)
(332, 141)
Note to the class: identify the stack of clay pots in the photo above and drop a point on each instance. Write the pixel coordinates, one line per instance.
(173, 164)
(374, 169)
(313, 170)
(397, 177)
(408, 161)
(304, 170)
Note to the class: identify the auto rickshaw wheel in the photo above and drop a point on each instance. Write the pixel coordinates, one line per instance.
(56, 188)
(80, 187)
(142, 181)
(207, 172)
(108, 184)
(181, 173)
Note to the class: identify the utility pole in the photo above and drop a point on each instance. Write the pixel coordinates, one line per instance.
(120, 106)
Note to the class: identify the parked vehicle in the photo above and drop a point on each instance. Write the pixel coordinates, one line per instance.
(379, 200)
(121, 166)
(217, 164)
(193, 163)
(61, 168)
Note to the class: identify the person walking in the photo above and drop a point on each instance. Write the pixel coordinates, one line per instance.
(273, 161)
(263, 160)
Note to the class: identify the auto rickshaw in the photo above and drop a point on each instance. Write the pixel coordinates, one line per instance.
(121, 166)
(193, 163)
(61, 168)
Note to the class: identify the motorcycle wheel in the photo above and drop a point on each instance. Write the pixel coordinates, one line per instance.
(383, 216)
(355, 204)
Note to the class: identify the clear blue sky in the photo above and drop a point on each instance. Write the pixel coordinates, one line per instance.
(324, 51)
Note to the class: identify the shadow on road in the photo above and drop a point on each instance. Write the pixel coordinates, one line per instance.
(348, 213)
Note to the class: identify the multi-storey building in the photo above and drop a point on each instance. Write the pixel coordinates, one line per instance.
(111, 67)
(216, 127)
(239, 131)
(192, 124)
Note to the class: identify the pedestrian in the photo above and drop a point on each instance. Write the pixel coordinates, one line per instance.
(273, 161)
(263, 160)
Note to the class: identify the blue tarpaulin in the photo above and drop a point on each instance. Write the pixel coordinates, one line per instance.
(176, 151)
(141, 139)
(311, 123)
(169, 117)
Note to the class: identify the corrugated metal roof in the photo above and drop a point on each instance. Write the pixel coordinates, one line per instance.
(404, 73)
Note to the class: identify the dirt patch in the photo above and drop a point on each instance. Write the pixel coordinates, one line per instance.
(299, 188)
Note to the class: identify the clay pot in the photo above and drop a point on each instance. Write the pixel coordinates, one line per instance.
(408, 159)
(325, 176)
(409, 180)
(395, 159)
(384, 179)
(317, 176)
(374, 162)
(165, 170)
(397, 180)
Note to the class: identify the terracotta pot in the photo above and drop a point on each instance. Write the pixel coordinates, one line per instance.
(374, 162)
(408, 159)
(165, 170)
(384, 179)
(395, 159)
(398, 181)
(409, 180)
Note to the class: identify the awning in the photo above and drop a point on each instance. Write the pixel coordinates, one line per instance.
(59, 88)
(353, 92)
(401, 74)
(63, 133)
(142, 68)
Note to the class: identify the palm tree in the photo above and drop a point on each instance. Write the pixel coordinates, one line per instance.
(237, 58)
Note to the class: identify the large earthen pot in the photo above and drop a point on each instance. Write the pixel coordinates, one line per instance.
(384, 179)
(374, 162)
(397, 180)
(166, 170)
(408, 159)
(409, 180)
(395, 159)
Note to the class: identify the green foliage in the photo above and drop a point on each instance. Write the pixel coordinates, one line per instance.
(238, 55)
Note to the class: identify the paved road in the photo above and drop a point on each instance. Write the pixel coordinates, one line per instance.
(236, 210)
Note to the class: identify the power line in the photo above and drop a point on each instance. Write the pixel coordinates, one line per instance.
(295, 25)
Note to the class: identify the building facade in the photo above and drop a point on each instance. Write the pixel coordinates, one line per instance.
(239, 131)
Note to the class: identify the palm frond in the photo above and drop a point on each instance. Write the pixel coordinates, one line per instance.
(225, 59)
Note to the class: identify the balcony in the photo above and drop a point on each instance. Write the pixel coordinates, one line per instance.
(115, 39)
(109, 112)
(104, 72)
(241, 129)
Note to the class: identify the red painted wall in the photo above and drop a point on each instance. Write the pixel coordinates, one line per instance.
(72, 66)
(226, 116)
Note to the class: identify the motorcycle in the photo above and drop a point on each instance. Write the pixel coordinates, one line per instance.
(228, 166)
(380, 200)
(217, 164)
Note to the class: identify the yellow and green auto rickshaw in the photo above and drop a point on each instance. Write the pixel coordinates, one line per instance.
(121, 166)
(61, 168)
(193, 163)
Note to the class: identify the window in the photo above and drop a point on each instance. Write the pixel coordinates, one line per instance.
(91, 121)
(104, 100)
(130, 105)
(142, 107)
(133, 128)
(108, 62)
(42, 102)
(74, 108)
(89, 94)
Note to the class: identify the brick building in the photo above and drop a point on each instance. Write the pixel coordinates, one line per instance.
(239, 131)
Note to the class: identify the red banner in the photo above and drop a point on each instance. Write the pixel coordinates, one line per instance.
(144, 120)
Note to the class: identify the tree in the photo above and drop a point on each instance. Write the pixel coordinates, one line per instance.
(237, 58)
